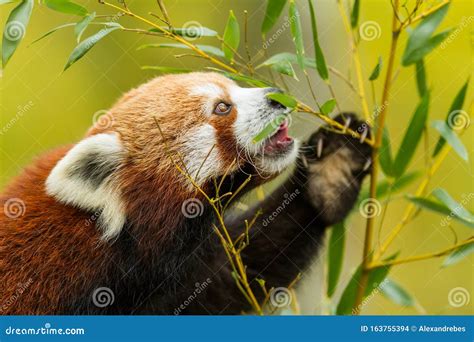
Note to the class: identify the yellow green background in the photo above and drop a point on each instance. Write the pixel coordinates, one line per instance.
(60, 106)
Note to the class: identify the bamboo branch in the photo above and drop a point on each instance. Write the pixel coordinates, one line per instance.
(356, 58)
(421, 256)
(369, 229)
(425, 14)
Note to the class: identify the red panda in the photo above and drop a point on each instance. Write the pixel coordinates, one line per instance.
(108, 213)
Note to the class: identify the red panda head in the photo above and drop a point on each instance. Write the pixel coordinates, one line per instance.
(204, 121)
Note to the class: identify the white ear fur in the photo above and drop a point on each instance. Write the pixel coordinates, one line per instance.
(84, 178)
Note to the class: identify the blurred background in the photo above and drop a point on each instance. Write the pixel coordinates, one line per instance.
(43, 107)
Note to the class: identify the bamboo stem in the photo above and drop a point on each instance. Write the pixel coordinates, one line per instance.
(369, 230)
(356, 58)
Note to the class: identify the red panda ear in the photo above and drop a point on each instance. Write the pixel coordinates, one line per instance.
(84, 178)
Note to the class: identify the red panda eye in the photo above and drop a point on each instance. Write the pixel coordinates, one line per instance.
(222, 108)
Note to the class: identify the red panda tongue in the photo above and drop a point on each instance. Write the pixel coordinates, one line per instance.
(280, 140)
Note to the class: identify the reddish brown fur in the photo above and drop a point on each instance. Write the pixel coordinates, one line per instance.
(38, 242)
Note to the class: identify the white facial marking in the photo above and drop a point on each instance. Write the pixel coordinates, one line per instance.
(210, 92)
(201, 154)
(253, 115)
(65, 183)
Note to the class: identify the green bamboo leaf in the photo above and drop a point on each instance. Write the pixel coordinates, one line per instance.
(255, 82)
(284, 68)
(82, 48)
(456, 106)
(188, 32)
(194, 32)
(328, 106)
(166, 70)
(459, 254)
(455, 207)
(376, 72)
(437, 207)
(420, 41)
(4, 2)
(82, 25)
(66, 6)
(355, 13)
(318, 52)
(297, 33)
(231, 37)
(412, 137)
(385, 154)
(451, 137)
(206, 48)
(420, 77)
(285, 99)
(52, 31)
(417, 54)
(396, 293)
(376, 277)
(335, 256)
(15, 29)
(270, 128)
(283, 57)
(272, 13)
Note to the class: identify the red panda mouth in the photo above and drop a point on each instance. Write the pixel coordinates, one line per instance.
(280, 141)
